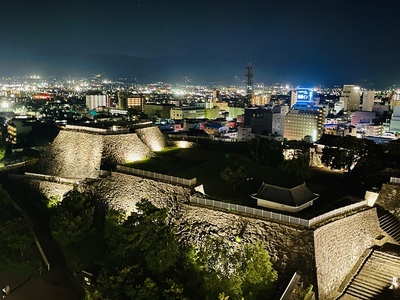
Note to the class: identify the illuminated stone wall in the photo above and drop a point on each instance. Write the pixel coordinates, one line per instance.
(124, 148)
(339, 245)
(291, 248)
(152, 137)
(73, 154)
(389, 198)
(123, 191)
(324, 255)
(49, 189)
(82, 154)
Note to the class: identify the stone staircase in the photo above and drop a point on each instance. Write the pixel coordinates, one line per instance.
(374, 278)
(391, 225)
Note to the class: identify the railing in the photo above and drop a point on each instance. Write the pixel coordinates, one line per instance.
(158, 176)
(337, 212)
(249, 210)
(273, 215)
(71, 180)
(97, 130)
(14, 166)
(395, 180)
(38, 245)
(290, 287)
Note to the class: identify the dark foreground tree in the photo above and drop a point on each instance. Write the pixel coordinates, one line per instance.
(147, 262)
(73, 218)
(234, 175)
(3, 148)
(269, 152)
(77, 225)
(15, 239)
(346, 152)
(235, 269)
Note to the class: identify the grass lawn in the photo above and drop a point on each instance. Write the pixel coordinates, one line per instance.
(206, 165)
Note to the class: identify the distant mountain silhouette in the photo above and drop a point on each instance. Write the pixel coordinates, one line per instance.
(198, 70)
(144, 69)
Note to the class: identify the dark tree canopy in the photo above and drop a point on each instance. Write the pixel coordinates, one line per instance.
(346, 152)
(145, 261)
(269, 152)
(234, 175)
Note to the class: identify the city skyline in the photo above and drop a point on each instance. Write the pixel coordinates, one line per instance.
(309, 43)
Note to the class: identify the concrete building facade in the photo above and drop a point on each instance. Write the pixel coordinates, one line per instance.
(395, 121)
(187, 112)
(368, 100)
(94, 101)
(350, 97)
(304, 121)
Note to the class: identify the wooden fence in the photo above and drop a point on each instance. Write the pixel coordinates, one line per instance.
(158, 176)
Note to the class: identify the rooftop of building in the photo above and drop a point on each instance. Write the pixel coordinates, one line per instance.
(295, 196)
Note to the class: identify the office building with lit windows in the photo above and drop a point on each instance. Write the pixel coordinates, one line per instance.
(395, 121)
(351, 97)
(95, 101)
(187, 112)
(131, 101)
(304, 122)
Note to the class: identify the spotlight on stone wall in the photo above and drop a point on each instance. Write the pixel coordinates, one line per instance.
(152, 137)
(183, 144)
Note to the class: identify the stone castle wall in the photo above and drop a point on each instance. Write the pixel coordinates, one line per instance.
(123, 191)
(152, 138)
(72, 154)
(124, 148)
(81, 154)
(339, 245)
(324, 255)
(389, 198)
(49, 189)
(291, 248)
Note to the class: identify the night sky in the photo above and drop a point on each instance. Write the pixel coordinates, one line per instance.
(299, 42)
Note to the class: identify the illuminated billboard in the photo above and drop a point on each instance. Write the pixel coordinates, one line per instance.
(304, 95)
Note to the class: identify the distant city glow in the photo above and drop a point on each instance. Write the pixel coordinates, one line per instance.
(179, 92)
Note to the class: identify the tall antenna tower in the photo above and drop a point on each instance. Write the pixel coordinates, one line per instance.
(249, 81)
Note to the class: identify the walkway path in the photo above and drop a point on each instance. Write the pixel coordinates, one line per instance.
(26, 288)
(57, 283)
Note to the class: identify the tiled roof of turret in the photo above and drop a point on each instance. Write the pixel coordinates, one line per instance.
(295, 196)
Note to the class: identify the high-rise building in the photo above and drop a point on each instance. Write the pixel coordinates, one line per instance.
(131, 101)
(293, 98)
(304, 122)
(394, 99)
(351, 97)
(368, 100)
(260, 100)
(94, 101)
(395, 121)
(270, 121)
